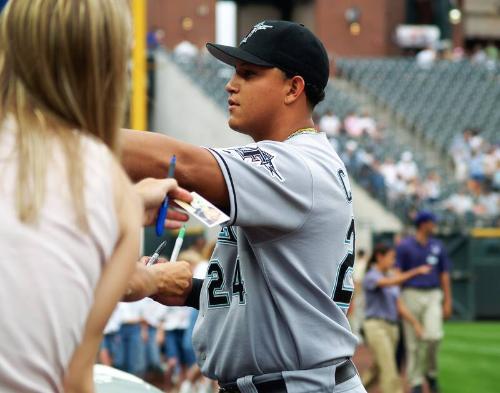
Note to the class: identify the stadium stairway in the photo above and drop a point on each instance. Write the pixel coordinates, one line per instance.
(184, 111)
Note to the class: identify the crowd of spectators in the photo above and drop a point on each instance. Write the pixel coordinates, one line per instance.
(153, 341)
(477, 171)
(487, 56)
(406, 185)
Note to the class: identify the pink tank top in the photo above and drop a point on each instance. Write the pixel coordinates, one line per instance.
(48, 272)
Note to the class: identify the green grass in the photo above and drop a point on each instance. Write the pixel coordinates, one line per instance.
(470, 358)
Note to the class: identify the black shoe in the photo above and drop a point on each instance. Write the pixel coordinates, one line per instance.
(417, 389)
(433, 384)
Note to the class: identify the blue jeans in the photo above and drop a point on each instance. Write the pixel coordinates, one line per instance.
(187, 340)
(133, 349)
(113, 343)
(174, 347)
(152, 350)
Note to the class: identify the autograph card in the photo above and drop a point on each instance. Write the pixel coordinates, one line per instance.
(204, 211)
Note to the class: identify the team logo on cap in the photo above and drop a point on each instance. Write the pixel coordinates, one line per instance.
(257, 27)
(255, 155)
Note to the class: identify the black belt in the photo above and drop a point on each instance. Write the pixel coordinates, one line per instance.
(343, 373)
(381, 319)
(423, 289)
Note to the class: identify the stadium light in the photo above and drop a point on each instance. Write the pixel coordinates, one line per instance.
(355, 28)
(187, 23)
(455, 16)
(352, 16)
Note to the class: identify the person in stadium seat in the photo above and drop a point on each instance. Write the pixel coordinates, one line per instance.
(329, 124)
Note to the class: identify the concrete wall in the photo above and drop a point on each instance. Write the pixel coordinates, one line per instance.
(184, 112)
(482, 19)
(371, 217)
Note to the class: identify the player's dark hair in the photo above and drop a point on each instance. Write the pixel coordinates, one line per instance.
(379, 249)
(314, 94)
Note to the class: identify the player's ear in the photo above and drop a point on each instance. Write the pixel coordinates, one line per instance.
(295, 87)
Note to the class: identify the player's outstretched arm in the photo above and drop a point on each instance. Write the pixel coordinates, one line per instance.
(147, 154)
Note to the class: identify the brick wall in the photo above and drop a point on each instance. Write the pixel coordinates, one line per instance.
(169, 14)
(378, 20)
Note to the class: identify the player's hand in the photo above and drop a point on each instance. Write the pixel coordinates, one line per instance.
(419, 330)
(447, 309)
(173, 281)
(424, 269)
(153, 192)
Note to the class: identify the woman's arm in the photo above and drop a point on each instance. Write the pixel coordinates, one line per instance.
(408, 316)
(112, 284)
(401, 277)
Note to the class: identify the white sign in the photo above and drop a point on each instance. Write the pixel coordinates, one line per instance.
(417, 36)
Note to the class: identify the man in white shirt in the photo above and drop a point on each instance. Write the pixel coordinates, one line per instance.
(329, 124)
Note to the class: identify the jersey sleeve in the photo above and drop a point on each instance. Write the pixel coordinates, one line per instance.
(269, 185)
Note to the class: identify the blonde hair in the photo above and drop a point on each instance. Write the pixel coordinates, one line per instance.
(62, 73)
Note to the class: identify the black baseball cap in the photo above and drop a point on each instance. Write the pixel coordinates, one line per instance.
(289, 46)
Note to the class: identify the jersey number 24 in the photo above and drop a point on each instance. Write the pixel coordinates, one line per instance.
(217, 296)
(344, 286)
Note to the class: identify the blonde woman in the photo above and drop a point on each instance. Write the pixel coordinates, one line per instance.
(69, 217)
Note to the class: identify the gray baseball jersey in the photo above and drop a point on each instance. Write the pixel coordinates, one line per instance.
(280, 279)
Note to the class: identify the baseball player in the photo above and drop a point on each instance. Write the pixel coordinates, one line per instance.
(273, 304)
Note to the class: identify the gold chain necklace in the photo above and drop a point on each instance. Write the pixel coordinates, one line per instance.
(308, 130)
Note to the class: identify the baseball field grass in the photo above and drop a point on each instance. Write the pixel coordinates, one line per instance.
(470, 358)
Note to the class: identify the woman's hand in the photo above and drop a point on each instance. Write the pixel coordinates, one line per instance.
(153, 192)
(423, 269)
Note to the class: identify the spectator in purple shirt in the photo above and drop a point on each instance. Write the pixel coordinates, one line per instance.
(382, 310)
(428, 297)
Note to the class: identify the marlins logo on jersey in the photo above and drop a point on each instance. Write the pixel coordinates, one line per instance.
(257, 156)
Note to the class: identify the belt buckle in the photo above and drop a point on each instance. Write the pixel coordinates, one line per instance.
(228, 390)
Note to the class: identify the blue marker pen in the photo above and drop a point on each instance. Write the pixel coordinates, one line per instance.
(162, 213)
